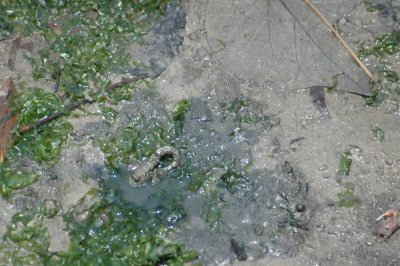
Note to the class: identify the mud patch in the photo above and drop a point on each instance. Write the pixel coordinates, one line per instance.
(160, 46)
(216, 193)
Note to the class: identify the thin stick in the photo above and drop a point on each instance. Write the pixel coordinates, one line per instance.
(75, 105)
(342, 41)
(57, 84)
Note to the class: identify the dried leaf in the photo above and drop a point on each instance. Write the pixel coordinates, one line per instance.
(318, 98)
(7, 120)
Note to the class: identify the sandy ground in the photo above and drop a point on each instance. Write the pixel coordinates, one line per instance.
(336, 236)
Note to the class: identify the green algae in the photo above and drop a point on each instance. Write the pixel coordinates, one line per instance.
(140, 138)
(42, 144)
(14, 177)
(233, 180)
(345, 163)
(386, 84)
(114, 231)
(347, 198)
(378, 133)
(371, 7)
(85, 41)
(111, 233)
(387, 44)
(178, 116)
(240, 109)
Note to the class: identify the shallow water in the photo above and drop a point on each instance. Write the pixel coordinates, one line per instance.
(255, 207)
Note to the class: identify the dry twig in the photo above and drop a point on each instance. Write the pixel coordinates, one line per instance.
(77, 104)
(342, 41)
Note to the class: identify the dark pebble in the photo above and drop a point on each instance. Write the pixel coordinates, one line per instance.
(300, 207)
(240, 254)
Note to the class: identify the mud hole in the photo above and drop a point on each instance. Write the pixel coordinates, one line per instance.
(264, 210)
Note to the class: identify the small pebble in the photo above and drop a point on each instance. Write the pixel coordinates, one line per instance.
(239, 251)
(283, 224)
(258, 229)
(300, 207)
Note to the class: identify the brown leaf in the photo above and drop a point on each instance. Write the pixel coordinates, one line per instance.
(318, 98)
(7, 121)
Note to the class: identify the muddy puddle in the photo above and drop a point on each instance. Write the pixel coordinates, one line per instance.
(220, 195)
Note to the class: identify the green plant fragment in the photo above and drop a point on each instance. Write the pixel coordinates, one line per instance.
(378, 133)
(237, 104)
(349, 201)
(347, 198)
(371, 7)
(178, 115)
(44, 143)
(387, 44)
(213, 214)
(386, 84)
(345, 163)
(110, 233)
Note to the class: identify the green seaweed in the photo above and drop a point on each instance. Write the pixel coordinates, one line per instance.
(178, 115)
(108, 113)
(214, 213)
(27, 240)
(387, 44)
(347, 198)
(85, 40)
(275, 147)
(42, 144)
(371, 7)
(386, 84)
(232, 180)
(114, 233)
(111, 233)
(141, 138)
(239, 109)
(378, 133)
(14, 178)
(237, 104)
(349, 201)
(345, 163)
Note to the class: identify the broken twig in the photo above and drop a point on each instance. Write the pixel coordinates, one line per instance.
(342, 41)
(77, 104)
(57, 84)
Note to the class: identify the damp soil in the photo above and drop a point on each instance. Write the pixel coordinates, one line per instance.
(229, 198)
(258, 184)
